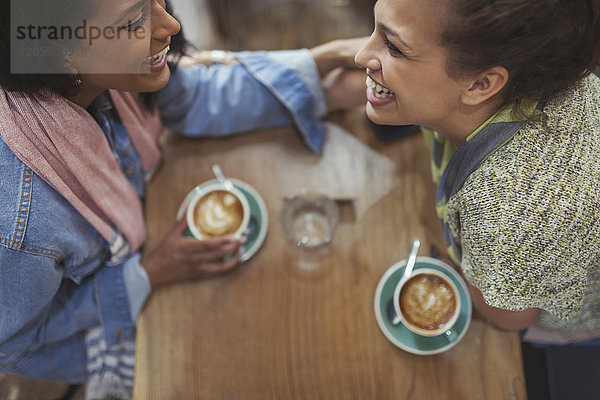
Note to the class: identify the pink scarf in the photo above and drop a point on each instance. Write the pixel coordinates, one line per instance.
(65, 146)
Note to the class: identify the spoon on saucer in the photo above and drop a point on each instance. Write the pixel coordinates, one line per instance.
(221, 177)
(410, 264)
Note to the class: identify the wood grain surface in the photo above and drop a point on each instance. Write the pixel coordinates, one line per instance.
(290, 324)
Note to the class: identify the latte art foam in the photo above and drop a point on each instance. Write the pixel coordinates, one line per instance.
(218, 213)
(428, 302)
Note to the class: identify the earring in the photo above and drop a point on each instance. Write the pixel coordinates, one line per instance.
(76, 81)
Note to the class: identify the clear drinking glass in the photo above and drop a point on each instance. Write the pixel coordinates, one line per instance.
(309, 219)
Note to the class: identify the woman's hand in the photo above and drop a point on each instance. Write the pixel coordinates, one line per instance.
(342, 80)
(178, 258)
(337, 53)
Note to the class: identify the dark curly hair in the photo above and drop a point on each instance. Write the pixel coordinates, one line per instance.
(545, 45)
(69, 12)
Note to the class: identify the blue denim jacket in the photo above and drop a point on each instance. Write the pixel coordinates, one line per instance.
(54, 281)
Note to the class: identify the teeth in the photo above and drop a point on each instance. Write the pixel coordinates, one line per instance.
(384, 95)
(380, 91)
(158, 57)
(370, 82)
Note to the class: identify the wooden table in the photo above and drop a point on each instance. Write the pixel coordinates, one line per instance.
(292, 325)
(277, 329)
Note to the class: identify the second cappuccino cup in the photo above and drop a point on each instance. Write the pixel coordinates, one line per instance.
(427, 302)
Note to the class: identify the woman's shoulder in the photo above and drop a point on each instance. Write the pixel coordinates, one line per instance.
(35, 218)
(577, 107)
(553, 157)
(547, 179)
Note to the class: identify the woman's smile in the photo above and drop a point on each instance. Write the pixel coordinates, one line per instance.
(156, 62)
(378, 94)
(407, 81)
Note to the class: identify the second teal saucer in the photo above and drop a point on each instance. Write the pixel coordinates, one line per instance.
(399, 335)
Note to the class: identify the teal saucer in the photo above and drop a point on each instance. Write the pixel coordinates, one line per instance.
(399, 335)
(259, 218)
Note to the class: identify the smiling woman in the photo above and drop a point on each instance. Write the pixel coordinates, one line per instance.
(80, 118)
(404, 61)
(52, 51)
(134, 62)
(512, 112)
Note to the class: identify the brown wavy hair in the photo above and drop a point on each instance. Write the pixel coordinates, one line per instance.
(545, 45)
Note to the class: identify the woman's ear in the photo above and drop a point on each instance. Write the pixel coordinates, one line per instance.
(485, 86)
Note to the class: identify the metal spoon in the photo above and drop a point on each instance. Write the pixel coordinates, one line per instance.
(412, 257)
(410, 264)
(221, 177)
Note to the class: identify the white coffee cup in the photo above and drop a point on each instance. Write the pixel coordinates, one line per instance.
(216, 210)
(428, 302)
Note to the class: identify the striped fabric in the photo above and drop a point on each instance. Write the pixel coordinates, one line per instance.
(110, 370)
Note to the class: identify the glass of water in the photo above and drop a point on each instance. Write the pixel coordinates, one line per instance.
(309, 219)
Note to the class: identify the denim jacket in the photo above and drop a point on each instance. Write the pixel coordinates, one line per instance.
(55, 283)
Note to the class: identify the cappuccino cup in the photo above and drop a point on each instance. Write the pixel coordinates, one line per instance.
(216, 210)
(427, 302)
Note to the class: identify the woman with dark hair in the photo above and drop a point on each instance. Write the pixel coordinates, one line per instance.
(77, 144)
(512, 108)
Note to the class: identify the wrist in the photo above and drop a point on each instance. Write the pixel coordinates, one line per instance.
(156, 275)
(209, 57)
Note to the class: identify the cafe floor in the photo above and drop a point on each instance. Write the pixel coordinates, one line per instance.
(232, 24)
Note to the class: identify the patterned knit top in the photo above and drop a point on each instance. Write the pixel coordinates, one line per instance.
(527, 219)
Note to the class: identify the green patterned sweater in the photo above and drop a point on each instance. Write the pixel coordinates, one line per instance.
(528, 218)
